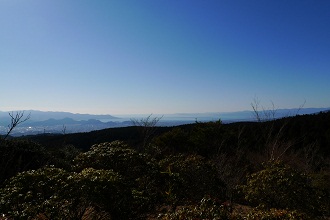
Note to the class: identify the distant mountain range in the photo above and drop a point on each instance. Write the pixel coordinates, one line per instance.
(45, 115)
(244, 115)
(60, 122)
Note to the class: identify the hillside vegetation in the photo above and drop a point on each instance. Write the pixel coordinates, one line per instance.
(275, 169)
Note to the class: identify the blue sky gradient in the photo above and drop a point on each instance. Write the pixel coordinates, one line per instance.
(163, 56)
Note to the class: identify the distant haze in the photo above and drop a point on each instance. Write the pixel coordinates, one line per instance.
(58, 122)
(41, 116)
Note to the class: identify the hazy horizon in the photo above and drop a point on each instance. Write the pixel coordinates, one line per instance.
(298, 110)
(163, 57)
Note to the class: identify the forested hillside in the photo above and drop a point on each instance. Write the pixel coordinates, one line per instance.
(272, 169)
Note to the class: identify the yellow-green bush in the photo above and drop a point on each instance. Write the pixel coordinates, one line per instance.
(57, 194)
(140, 172)
(195, 177)
(280, 186)
(275, 214)
(206, 209)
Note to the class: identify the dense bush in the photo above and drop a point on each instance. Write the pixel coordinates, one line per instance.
(140, 172)
(193, 176)
(62, 156)
(202, 138)
(207, 138)
(207, 209)
(274, 214)
(175, 140)
(57, 194)
(117, 156)
(279, 186)
(321, 181)
(32, 192)
(20, 155)
(103, 190)
(213, 209)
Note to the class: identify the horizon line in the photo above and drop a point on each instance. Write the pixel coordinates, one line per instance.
(159, 114)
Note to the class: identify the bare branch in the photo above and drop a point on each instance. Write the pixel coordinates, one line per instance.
(146, 122)
(16, 119)
(255, 107)
(300, 107)
(266, 114)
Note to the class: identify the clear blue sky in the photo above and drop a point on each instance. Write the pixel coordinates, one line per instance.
(163, 56)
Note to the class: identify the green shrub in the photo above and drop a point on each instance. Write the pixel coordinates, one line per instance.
(279, 186)
(141, 173)
(57, 194)
(213, 209)
(275, 214)
(20, 155)
(206, 138)
(193, 177)
(321, 181)
(32, 192)
(103, 190)
(207, 209)
(62, 156)
(175, 140)
(116, 156)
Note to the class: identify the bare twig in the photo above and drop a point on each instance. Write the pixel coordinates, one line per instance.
(272, 136)
(16, 119)
(255, 107)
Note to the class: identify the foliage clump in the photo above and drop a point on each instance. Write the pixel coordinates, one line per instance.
(20, 155)
(32, 192)
(280, 186)
(117, 156)
(274, 214)
(210, 208)
(141, 173)
(191, 172)
(57, 194)
(207, 208)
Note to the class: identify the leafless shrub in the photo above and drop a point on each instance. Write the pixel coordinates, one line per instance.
(272, 135)
(147, 126)
(261, 113)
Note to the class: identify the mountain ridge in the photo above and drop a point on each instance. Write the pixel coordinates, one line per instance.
(58, 122)
(37, 115)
